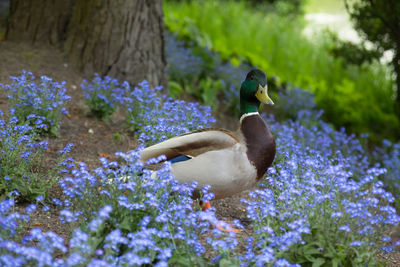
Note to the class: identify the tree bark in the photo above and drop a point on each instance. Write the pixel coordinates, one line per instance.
(120, 38)
(38, 21)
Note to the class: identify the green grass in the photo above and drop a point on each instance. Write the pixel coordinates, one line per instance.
(359, 98)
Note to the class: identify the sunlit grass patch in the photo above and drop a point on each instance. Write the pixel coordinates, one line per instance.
(325, 6)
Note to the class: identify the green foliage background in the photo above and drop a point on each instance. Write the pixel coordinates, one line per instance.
(359, 98)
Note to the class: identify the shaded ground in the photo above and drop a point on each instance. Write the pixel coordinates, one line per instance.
(92, 138)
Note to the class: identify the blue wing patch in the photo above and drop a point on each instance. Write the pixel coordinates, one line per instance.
(179, 158)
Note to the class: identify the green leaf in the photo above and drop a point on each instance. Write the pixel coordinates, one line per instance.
(318, 262)
(335, 262)
(126, 224)
(183, 259)
(95, 242)
(175, 89)
(311, 251)
(229, 262)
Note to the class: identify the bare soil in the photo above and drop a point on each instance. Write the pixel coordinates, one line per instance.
(91, 137)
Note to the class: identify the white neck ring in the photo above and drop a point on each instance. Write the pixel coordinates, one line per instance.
(248, 114)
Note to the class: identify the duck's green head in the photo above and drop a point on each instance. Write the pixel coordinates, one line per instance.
(253, 92)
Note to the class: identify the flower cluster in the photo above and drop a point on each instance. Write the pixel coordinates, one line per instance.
(157, 118)
(149, 113)
(322, 202)
(182, 64)
(319, 202)
(127, 216)
(41, 104)
(103, 95)
(21, 166)
(19, 152)
(291, 101)
(35, 248)
(388, 156)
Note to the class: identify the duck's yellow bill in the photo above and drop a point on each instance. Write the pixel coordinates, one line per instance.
(262, 95)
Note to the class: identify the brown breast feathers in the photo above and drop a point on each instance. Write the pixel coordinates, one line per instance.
(260, 143)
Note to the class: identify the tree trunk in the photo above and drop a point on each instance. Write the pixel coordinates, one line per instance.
(120, 38)
(38, 21)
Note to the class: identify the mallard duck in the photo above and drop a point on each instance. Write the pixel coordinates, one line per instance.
(230, 162)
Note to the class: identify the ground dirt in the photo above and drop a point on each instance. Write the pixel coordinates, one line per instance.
(91, 137)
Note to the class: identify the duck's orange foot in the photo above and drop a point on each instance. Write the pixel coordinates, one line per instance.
(228, 228)
(205, 206)
(225, 226)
